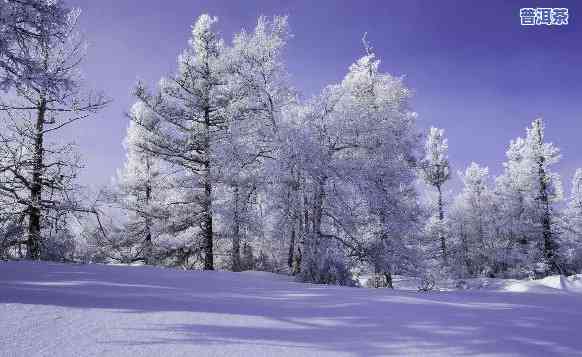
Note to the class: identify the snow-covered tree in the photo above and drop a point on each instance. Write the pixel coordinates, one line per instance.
(358, 154)
(471, 221)
(575, 202)
(139, 192)
(217, 120)
(436, 172)
(191, 112)
(22, 24)
(259, 77)
(38, 175)
(528, 190)
(572, 245)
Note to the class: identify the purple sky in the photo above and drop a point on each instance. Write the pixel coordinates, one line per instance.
(475, 71)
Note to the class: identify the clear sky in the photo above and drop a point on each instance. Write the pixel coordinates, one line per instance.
(475, 71)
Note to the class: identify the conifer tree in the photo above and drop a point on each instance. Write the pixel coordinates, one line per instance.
(436, 172)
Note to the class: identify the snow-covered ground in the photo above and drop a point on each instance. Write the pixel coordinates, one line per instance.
(60, 310)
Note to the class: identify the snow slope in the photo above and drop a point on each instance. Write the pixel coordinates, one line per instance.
(54, 310)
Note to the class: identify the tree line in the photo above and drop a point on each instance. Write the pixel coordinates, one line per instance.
(226, 167)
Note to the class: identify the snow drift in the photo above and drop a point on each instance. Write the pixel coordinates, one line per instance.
(49, 309)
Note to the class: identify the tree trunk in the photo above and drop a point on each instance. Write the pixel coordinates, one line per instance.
(208, 235)
(304, 226)
(148, 246)
(34, 218)
(293, 212)
(236, 232)
(388, 277)
(441, 219)
(549, 246)
(318, 207)
(147, 249)
(296, 264)
(313, 247)
(208, 241)
(291, 248)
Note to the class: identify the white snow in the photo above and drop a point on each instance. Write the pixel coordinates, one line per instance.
(49, 309)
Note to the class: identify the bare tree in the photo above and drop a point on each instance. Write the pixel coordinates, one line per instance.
(23, 24)
(38, 175)
(436, 171)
